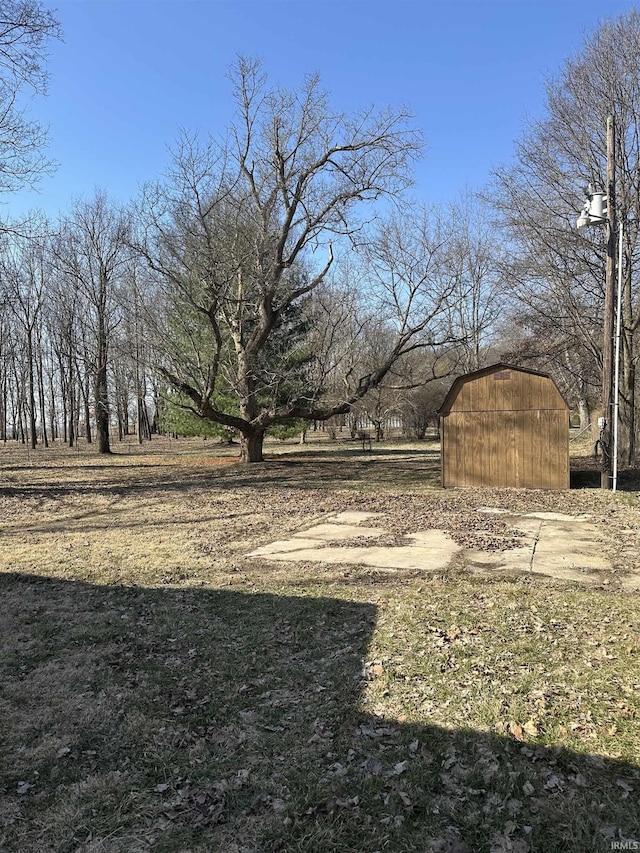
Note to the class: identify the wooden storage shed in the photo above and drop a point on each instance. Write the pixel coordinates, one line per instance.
(505, 426)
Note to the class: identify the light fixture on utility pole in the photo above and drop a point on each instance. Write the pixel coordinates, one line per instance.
(596, 211)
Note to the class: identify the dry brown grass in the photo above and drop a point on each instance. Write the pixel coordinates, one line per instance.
(160, 691)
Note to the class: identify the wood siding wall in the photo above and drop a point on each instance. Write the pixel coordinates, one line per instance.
(506, 429)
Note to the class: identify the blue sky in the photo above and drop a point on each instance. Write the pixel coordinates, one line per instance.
(131, 72)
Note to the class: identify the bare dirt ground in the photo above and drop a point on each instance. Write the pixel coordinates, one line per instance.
(162, 690)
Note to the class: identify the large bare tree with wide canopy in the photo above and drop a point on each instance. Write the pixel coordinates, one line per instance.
(243, 233)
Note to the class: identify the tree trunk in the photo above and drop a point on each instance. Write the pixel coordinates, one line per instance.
(251, 446)
(53, 415)
(3, 410)
(76, 415)
(24, 428)
(31, 403)
(72, 402)
(102, 410)
(87, 422)
(585, 415)
(64, 417)
(146, 421)
(102, 389)
(140, 419)
(627, 443)
(85, 390)
(119, 415)
(41, 402)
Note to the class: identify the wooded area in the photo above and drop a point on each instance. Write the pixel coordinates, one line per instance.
(284, 275)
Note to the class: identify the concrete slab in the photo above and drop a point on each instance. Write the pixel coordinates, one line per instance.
(352, 517)
(328, 532)
(544, 516)
(432, 552)
(555, 516)
(568, 549)
(530, 527)
(553, 544)
(631, 583)
(283, 546)
(514, 559)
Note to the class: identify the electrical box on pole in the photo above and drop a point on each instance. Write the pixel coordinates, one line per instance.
(594, 210)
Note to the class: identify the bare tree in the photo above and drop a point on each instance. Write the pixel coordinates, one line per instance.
(26, 27)
(90, 251)
(22, 272)
(64, 340)
(476, 264)
(419, 406)
(540, 194)
(237, 234)
(554, 323)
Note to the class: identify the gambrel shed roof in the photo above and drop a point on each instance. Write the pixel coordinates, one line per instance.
(539, 394)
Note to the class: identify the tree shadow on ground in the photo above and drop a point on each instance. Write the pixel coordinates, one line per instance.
(337, 470)
(109, 481)
(340, 467)
(329, 452)
(322, 470)
(183, 720)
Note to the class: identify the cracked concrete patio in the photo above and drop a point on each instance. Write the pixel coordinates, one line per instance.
(553, 544)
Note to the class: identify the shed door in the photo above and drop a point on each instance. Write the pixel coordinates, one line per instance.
(502, 449)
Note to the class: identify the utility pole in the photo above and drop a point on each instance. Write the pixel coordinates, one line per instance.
(609, 285)
(596, 213)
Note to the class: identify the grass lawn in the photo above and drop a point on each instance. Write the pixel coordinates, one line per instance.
(160, 691)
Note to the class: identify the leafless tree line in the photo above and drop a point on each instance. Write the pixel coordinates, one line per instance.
(73, 347)
(90, 331)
